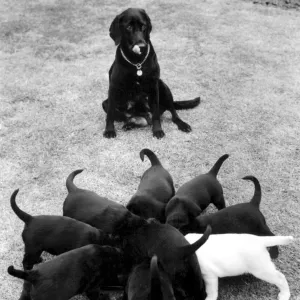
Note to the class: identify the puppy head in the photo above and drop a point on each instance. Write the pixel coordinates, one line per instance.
(111, 256)
(178, 220)
(108, 239)
(146, 208)
(129, 223)
(130, 28)
(181, 213)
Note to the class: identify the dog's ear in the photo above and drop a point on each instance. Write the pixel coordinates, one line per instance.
(114, 29)
(149, 25)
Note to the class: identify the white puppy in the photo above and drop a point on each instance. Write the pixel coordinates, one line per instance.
(236, 254)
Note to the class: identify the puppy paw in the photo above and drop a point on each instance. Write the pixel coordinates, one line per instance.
(158, 134)
(109, 134)
(184, 127)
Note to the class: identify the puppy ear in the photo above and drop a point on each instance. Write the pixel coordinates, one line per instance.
(114, 30)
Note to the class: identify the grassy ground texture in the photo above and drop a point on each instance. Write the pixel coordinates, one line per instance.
(242, 59)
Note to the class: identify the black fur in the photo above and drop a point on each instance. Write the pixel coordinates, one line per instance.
(194, 196)
(154, 191)
(147, 94)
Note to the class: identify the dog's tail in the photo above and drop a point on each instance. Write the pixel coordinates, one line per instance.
(270, 241)
(25, 217)
(71, 187)
(188, 250)
(152, 157)
(257, 191)
(19, 273)
(186, 104)
(155, 290)
(215, 169)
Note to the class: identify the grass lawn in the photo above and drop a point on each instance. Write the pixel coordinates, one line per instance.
(242, 59)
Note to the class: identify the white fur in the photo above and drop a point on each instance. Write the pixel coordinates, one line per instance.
(236, 254)
(136, 49)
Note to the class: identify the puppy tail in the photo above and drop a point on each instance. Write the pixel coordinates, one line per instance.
(71, 187)
(215, 169)
(186, 104)
(257, 192)
(25, 217)
(152, 157)
(270, 241)
(18, 273)
(188, 250)
(155, 290)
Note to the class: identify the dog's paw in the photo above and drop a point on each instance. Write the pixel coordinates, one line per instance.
(109, 134)
(159, 134)
(184, 127)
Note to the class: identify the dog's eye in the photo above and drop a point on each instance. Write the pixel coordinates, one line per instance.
(144, 27)
(129, 27)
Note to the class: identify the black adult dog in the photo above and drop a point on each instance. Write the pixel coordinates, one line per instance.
(149, 281)
(238, 218)
(134, 78)
(194, 196)
(90, 208)
(154, 191)
(71, 273)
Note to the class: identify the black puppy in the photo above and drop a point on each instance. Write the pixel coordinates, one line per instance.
(135, 76)
(88, 207)
(54, 234)
(154, 191)
(149, 281)
(142, 239)
(71, 273)
(194, 196)
(238, 218)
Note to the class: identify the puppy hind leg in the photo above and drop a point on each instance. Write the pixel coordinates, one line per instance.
(211, 287)
(268, 273)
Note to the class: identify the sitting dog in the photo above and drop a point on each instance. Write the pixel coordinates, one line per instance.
(142, 239)
(238, 218)
(71, 273)
(236, 254)
(54, 234)
(149, 281)
(194, 196)
(90, 208)
(135, 77)
(154, 191)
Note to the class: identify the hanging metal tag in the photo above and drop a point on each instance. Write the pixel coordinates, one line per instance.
(139, 72)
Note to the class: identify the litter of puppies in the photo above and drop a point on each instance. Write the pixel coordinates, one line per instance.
(102, 245)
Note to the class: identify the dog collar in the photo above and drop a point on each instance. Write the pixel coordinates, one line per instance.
(138, 66)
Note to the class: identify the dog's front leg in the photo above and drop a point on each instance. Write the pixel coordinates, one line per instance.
(156, 125)
(110, 131)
